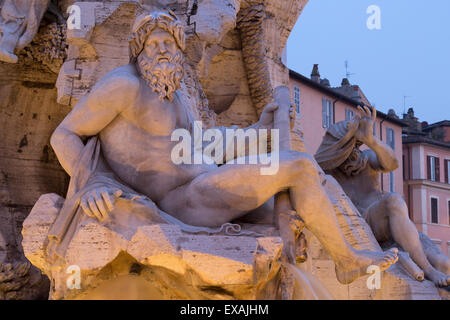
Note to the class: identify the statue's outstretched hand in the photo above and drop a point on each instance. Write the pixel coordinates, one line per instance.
(99, 202)
(267, 116)
(366, 120)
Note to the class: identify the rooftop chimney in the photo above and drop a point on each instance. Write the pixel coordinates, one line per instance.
(392, 114)
(315, 75)
(325, 82)
(345, 82)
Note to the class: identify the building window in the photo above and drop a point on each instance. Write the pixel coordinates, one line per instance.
(447, 171)
(434, 210)
(404, 167)
(349, 114)
(374, 130)
(433, 171)
(391, 182)
(390, 138)
(297, 99)
(327, 113)
(448, 209)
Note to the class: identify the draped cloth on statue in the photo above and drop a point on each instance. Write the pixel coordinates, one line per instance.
(26, 15)
(337, 145)
(131, 209)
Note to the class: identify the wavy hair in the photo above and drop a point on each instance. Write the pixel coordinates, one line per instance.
(144, 26)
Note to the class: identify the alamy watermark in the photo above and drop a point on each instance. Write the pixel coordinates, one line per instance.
(238, 146)
(374, 280)
(74, 20)
(74, 279)
(374, 19)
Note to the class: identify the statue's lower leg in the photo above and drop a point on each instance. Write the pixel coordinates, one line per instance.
(314, 208)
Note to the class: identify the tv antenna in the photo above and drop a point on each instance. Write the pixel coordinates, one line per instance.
(347, 73)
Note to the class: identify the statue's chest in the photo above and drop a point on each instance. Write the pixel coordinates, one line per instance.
(156, 117)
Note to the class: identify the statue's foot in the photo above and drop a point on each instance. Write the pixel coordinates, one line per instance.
(419, 276)
(437, 277)
(7, 57)
(348, 272)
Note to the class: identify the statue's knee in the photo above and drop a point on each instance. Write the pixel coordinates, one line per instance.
(302, 163)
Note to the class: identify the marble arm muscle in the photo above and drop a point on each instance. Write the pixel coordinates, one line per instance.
(93, 113)
(382, 157)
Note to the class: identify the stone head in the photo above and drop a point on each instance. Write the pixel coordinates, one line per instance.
(340, 149)
(157, 43)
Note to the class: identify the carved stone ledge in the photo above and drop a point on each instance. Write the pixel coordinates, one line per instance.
(159, 261)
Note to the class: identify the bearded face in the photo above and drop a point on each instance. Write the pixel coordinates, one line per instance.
(161, 64)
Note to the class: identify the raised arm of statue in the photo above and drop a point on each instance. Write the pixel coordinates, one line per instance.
(381, 157)
(232, 148)
(93, 113)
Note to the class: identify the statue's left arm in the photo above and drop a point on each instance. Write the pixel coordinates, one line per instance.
(265, 123)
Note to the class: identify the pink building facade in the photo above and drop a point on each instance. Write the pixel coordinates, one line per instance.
(427, 183)
(319, 105)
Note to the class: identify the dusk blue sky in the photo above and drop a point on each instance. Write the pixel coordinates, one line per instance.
(409, 56)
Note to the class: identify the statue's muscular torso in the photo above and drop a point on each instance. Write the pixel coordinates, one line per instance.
(137, 142)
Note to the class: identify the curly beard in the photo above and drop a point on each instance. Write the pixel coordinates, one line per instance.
(164, 77)
(355, 163)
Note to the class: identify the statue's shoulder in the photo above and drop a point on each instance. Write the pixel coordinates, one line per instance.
(124, 78)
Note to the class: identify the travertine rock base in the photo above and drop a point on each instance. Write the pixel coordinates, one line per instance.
(156, 262)
(162, 262)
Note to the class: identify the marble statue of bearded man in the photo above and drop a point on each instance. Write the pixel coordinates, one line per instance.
(128, 119)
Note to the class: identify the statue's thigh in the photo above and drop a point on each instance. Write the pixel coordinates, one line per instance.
(377, 218)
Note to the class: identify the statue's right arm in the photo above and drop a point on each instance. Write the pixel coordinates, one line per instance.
(107, 99)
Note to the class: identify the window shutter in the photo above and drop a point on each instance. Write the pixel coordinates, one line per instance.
(324, 113)
(404, 167)
(437, 171)
(332, 120)
(428, 167)
(446, 164)
(393, 139)
(434, 211)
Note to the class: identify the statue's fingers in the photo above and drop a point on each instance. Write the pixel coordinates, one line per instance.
(374, 114)
(118, 193)
(368, 113)
(361, 110)
(271, 107)
(100, 204)
(84, 205)
(107, 199)
(94, 208)
(292, 115)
